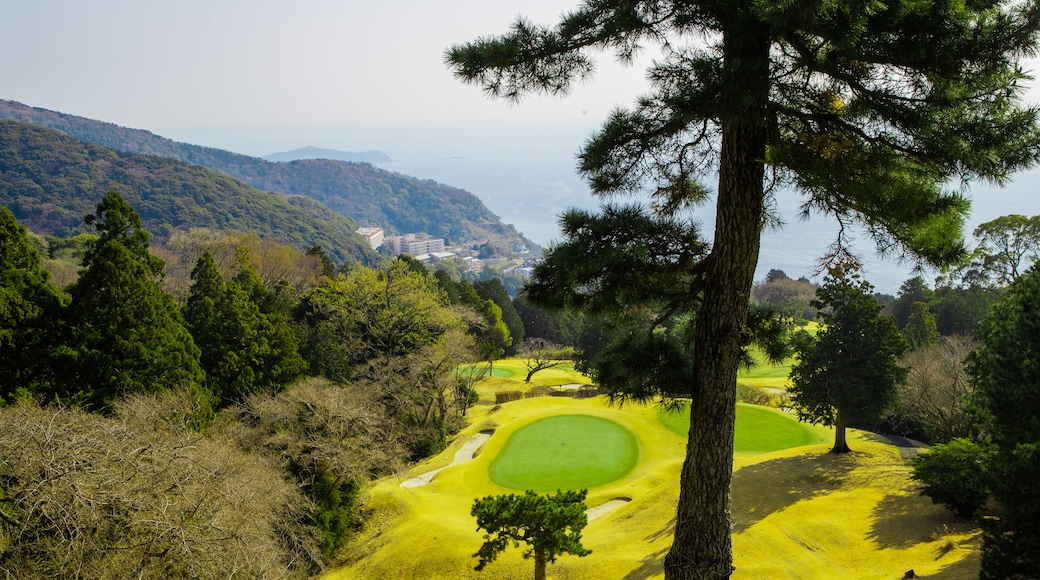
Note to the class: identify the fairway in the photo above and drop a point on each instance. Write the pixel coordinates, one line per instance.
(759, 429)
(565, 452)
(797, 513)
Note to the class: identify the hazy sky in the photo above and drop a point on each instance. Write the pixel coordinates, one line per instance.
(175, 66)
(195, 63)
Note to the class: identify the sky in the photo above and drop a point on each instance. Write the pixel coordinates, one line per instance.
(205, 63)
(224, 72)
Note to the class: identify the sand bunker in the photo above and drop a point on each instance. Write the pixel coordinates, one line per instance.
(466, 453)
(595, 512)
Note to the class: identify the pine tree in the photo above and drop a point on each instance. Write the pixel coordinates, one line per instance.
(550, 525)
(867, 108)
(125, 334)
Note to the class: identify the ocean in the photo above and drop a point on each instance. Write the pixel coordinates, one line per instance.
(525, 174)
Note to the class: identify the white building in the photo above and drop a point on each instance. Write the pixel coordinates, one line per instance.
(413, 245)
(374, 236)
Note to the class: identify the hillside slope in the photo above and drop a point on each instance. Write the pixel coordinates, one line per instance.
(50, 181)
(797, 513)
(369, 195)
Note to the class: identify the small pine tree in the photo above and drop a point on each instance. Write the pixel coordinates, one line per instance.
(549, 524)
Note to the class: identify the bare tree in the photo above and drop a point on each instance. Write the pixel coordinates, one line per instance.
(93, 497)
(540, 354)
(937, 388)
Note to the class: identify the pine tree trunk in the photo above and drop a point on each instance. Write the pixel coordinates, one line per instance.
(702, 547)
(539, 565)
(840, 443)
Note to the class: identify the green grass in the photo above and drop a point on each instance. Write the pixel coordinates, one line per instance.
(482, 371)
(516, 370)
(797, 513)
(759, 429)
(565, 452)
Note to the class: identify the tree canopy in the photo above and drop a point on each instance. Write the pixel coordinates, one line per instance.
(242, 351)
(868, 109)
(30, 310)
(550, 525)
(1007, 247)
(126, 335)
(850, 369)
(1007, 377)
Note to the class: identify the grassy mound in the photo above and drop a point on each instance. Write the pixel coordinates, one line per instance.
(797, 513)
(565, 452)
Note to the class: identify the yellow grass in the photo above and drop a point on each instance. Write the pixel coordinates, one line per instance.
(798, 513)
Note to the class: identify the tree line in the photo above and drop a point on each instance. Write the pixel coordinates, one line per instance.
(279, 379)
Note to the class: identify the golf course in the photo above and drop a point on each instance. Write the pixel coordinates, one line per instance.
(797, 511)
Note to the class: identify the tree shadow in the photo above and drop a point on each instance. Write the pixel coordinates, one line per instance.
(891, 515)
(967, 568)
(908, 448)
(765, 488)
(653, 564)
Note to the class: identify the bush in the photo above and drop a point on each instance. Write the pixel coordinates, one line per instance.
(331, 439)
(94, 497)
(754, 395)
(954, 475)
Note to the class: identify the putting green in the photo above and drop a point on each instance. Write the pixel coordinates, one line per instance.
(565, 452)
(759, 429)
(473, 371)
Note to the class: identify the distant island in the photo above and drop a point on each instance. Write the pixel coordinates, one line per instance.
(373, 157)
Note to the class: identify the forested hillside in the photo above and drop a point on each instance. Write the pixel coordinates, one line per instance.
(50, 181)
(371, 196)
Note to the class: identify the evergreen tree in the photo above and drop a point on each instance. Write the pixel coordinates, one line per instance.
(495, 291)
(550, 525)
(559, 326)
(920, 330)
(242, 351)
(447, 285)
(494, 337)
(124, 333)
(1007, 380)
(850, 369)
(911, 291)
(30, 310)
(867, 108)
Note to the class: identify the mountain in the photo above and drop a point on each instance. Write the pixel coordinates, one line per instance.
(373, 157)
(50, 181)
(371, 196)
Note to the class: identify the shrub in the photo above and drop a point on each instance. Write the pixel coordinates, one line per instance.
(753, 395)
(94, 497)
(331, 439)
(954, 475)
